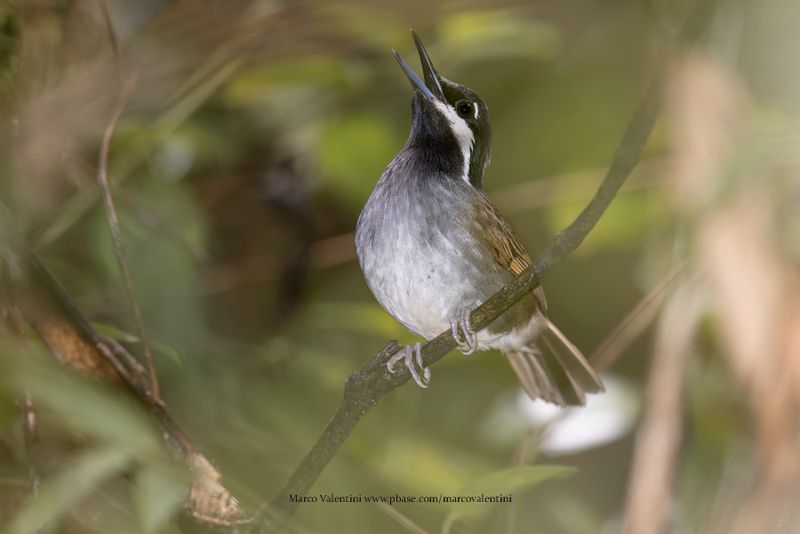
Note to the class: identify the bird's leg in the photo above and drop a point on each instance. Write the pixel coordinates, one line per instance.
(469, 344)
(407, 355)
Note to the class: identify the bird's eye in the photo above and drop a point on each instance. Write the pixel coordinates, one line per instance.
(465, 108)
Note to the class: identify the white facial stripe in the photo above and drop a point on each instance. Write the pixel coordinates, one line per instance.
(476, 111)
(462, 132)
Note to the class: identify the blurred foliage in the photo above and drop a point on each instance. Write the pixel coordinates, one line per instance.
(256, 132)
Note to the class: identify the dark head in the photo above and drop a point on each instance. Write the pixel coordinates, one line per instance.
(450, 121)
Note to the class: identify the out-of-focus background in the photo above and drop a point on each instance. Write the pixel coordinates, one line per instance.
(254, 133)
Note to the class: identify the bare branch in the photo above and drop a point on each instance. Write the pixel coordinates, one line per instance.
(632, 324)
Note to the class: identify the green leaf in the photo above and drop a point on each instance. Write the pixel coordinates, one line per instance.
(159, 492)
(59, 495)
(123, 336)
(500, 483)
(88, 408)
(167, 350)
(115, 333)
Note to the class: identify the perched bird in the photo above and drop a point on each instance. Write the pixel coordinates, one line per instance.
(432, 246)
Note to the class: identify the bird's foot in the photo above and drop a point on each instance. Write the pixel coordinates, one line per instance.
(469, 344)
(408, 355)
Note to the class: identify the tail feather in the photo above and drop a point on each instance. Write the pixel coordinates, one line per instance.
(571, 359)
(531, 375)
(570, 393)
(521, 365)
(553, 369)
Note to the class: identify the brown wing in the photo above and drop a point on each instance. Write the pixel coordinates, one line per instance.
(509, 251)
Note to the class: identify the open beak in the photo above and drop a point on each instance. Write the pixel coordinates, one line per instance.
(432, 87)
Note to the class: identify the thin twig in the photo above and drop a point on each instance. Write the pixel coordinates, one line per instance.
(112, 36)
(116, 232)
(632, 324)
(401, 518)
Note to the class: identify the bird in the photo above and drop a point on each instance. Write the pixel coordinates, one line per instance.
(432, 246)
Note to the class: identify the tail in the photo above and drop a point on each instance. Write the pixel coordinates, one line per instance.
(553, 369)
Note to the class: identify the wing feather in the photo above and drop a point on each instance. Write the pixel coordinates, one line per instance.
(509, 251)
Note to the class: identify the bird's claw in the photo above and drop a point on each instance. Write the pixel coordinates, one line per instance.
(408, 354)
(469, 344)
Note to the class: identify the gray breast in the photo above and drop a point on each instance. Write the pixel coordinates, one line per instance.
(417, 253)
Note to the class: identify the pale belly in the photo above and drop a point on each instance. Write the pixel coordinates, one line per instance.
(422, 277)
(422, 293)
(420, 257)
(425, 291)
